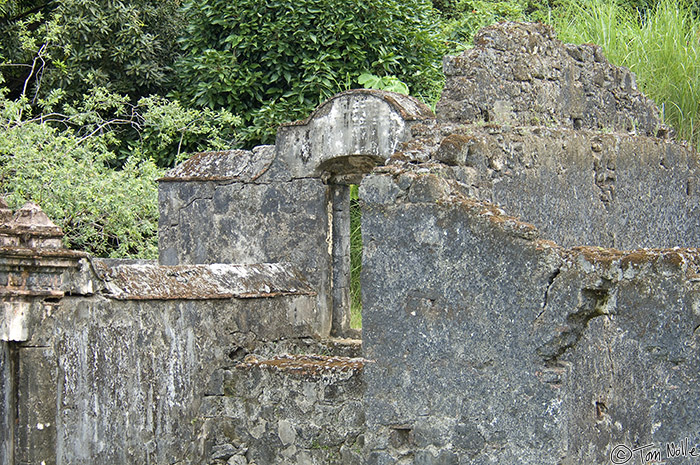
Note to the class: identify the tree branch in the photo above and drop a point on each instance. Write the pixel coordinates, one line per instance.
(30, 12)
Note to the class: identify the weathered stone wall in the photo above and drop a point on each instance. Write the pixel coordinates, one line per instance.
(593, 189)
(276, 203)
(287, 409)
(558, 148)
(133, 373)
(577, 187)
(7, 403)
(451, 332)
(622, 330)
(139, 382)
(247, 223)
(504, 348)
(521, 74)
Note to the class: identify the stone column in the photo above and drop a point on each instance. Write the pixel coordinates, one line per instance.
(340, 195)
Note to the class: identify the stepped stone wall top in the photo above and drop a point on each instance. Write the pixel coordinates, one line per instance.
(521, 74)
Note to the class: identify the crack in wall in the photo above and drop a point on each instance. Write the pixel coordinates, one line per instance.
(593, 303)
(545, 299)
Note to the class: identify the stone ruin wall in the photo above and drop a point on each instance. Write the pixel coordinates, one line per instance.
(530, 287)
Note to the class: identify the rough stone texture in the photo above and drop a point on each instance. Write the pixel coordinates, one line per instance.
(504, 348)
(346, 135)
(121, 404)
(106, 354)
(521, 74)
(35, 431)
(254, 223)
(7, 405)
(625, 350)
(287, 410)
(217, 281)
(230, 165)
(458, 395)
(580, 187)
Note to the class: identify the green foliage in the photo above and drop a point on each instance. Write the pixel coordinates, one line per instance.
(661, 46)
(260, 58)
(355, 259)
(389, 83)
(63, 156)
(463, 18)
(127, 46)
(67, 48)
(163, 130)
(104, 211)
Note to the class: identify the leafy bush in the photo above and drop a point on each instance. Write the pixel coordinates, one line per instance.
(163, 130)
(389, 83)
(104, 211)
(661, 46)
(263, 58)
(127, 46)
(66, 49)
(63, 161)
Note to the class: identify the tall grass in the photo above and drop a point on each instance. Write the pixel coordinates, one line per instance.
(661, 46)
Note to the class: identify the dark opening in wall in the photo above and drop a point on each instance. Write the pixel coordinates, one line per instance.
(355, 259)
(343, 175)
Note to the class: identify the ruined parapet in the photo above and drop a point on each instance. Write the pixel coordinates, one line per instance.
(348, 135)
(521, 74)
(35, 272)
(555, 134)
(288, 202)
(215, 209)
(577, 187)
(273, 301)
(516, 329)
(313, 411)
(545, 310)
(33, 268)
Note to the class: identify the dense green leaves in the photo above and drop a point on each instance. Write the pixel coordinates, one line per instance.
(389, 83)
(127, 46)
(104, 211)
(263, 58)
(63, 160)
